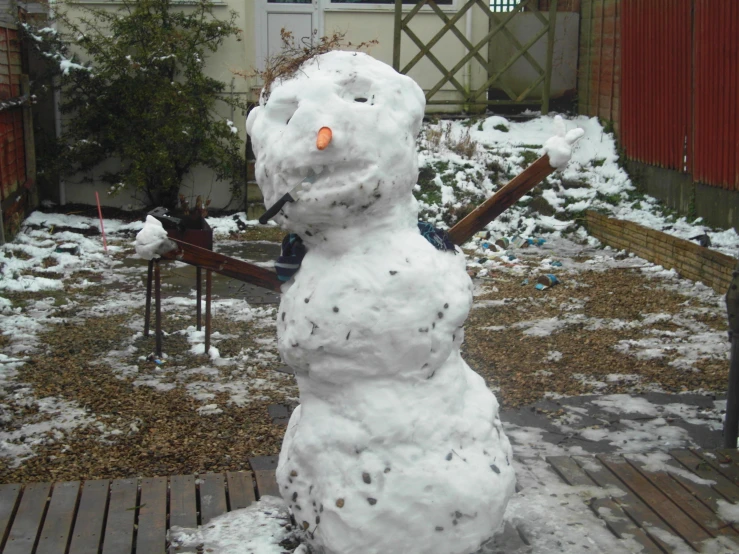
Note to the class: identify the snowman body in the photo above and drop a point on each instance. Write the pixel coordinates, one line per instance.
(396, 445)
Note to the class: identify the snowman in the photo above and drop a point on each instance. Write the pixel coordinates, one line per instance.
(396, 446)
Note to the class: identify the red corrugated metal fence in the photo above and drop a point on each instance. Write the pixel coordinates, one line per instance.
(680, 86)
(655, 80)
(716, 85)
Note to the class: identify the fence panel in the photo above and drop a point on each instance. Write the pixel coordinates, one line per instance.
(716, 86)
(656, 81)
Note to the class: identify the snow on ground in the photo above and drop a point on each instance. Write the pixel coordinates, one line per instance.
(47, 268)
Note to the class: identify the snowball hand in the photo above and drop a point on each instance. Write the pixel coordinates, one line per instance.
(152, 241)
(559, 147)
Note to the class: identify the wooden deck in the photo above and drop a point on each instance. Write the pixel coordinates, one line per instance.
(652, 504)
(127, 516)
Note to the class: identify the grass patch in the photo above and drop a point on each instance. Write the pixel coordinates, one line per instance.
(502, 128)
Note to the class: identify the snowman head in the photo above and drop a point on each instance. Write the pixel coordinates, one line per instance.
(368, 166)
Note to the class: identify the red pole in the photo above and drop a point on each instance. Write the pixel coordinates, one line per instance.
(102, 228)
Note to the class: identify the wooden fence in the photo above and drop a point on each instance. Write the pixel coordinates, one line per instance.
(17, 171)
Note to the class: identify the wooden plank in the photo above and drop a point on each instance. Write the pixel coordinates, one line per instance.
(697, 511)
(629, 502)
(605, 508)
(225, 265)
(705, 471)
(264, 473)
(212, 496)
(721, 463)
(88, 527)
(27, 523)
(9, 495)
(183, 509)
(59, 518)
(665, 508)
(152, 518)
(568, 470)
(121, 517)
(240, 489)
(501, 200)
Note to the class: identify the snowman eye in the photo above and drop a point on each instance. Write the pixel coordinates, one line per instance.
(360, 99)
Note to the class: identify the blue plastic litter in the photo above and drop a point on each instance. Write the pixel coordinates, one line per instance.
(539, 286)
(555, 263)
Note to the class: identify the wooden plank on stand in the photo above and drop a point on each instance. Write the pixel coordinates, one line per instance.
(212, 496)
(88, 526)
(605, 508)
(59, 518)
(240, 489)
(665, 508)
(8, 503)
(264, 472)
(27, 523)
(152, 519)
(183, 509)
(121, 517)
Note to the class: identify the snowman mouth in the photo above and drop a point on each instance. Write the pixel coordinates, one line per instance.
(307, 176)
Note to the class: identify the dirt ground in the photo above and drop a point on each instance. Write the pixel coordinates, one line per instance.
(600, 310)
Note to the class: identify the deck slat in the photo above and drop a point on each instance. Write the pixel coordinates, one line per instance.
(8, 503)
(152, 520)
(121, 517)
(697, 511)
(605, 508)
(629, 502)
(705, 471)
(212, 496)
(59, 518)
(685, 527)
(183, 509)
(88, 526)
(240, 489)
(721, 463)
(27, 522)
(264, 474)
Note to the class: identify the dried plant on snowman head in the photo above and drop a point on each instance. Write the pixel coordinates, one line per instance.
(293, 55)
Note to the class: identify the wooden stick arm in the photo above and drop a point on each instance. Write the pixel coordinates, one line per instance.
(225, 265)
(459, 233)
(502, 200)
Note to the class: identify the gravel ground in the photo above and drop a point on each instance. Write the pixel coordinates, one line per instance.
(612, 324)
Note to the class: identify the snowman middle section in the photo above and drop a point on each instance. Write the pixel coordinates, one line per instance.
(397, 445)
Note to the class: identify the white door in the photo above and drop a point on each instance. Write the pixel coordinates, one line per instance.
(300, 17)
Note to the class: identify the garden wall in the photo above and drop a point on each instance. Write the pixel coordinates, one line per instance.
(690, 260)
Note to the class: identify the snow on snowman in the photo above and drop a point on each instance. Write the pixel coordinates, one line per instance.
(396, 445)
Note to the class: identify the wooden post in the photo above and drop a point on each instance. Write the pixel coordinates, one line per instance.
(158, 307)
(30, 148)
(199, 294)
(550, 57)
(208, 283)
(147, 313)
(397, 34)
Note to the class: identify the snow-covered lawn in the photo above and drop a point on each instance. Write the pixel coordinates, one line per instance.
(78, 381)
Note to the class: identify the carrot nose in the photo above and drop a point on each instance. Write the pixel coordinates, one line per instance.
(324, 138)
